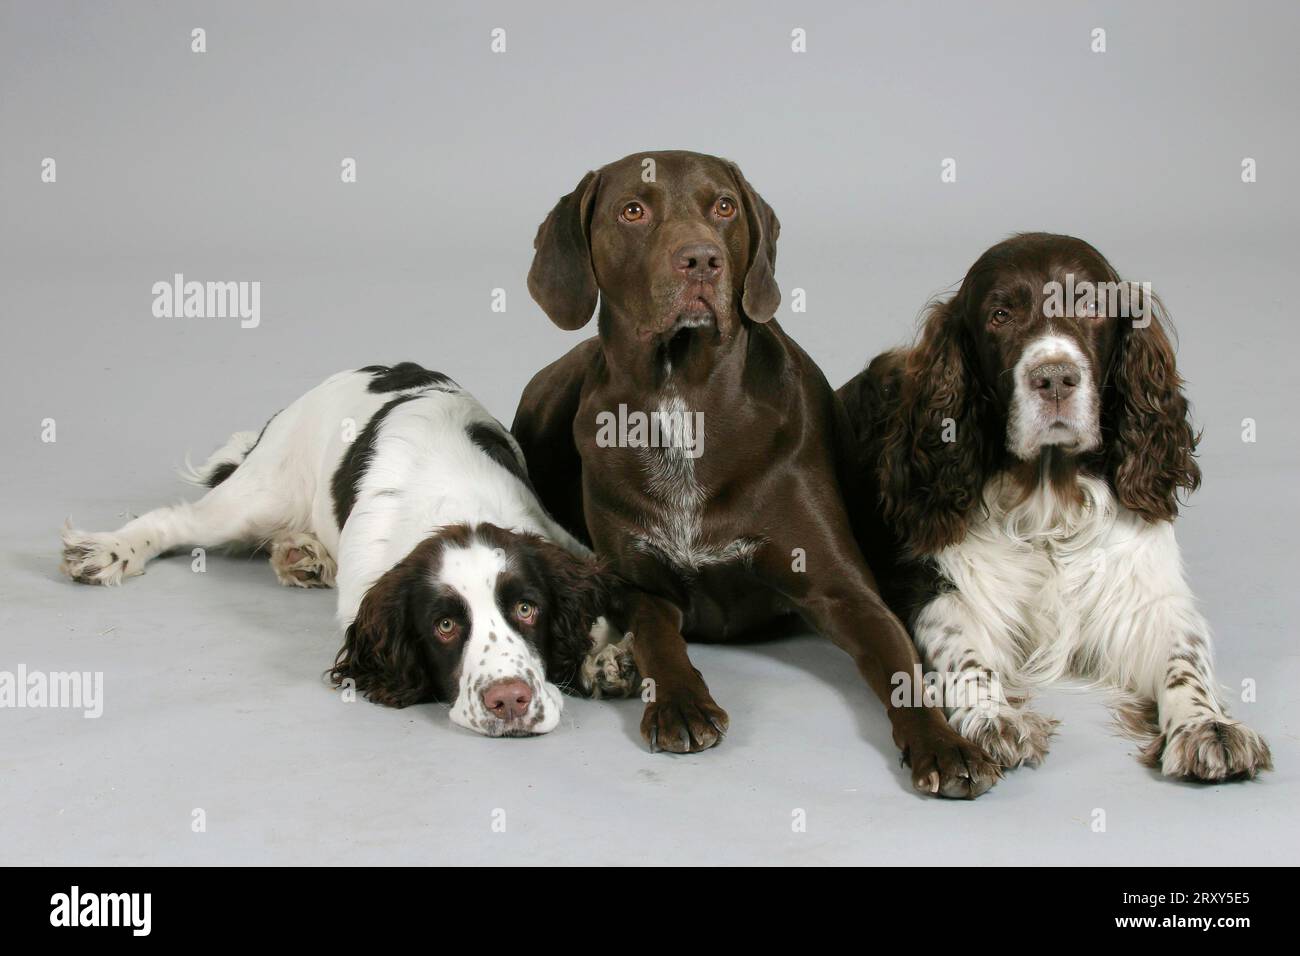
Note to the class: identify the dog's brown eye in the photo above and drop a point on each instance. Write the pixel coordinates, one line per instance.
(526, 612)
(725, 208)
(633, 212)
(447, 628)
(999, 317)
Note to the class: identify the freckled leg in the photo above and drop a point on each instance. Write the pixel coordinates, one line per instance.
(1197, 739)
(237, 510)
(977, 703)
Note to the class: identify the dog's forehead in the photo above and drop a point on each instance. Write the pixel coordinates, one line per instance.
(472, 570)
(1032, 262)
(675, 169)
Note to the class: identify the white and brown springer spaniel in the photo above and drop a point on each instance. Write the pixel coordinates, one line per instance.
(1024, 466)
(454, 583)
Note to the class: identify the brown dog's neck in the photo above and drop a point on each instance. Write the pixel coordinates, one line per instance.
(687, 360)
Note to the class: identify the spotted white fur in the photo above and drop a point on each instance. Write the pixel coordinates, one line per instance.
(1046, 588)
(494, 650)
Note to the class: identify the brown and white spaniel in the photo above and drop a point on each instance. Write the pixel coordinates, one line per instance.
(454, 583)
(1018, 472)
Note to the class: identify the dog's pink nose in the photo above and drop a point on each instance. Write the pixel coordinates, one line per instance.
(698, 260)
(1054, 380)
(507, 699)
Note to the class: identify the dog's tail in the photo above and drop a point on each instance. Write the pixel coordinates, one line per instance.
(221, 463)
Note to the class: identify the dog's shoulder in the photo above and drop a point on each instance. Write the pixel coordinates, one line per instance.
(870, 396)
(543, 427)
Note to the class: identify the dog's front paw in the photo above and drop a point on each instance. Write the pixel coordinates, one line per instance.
(611, 671)
(98, 557)
(683, 721)
(1012, 737)
(301, 561)
(1213, 749)
(944, 762)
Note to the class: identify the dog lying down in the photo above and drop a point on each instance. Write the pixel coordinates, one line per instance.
(454, 583)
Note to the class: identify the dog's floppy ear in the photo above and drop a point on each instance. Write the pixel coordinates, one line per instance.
(582, 590)
(561, 279)
(933, 465)
(761, 295)
(381, 652)
(1150, 441)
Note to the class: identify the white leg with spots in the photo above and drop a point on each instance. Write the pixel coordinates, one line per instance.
(980, 708)
(237, 511)
(1197, 739)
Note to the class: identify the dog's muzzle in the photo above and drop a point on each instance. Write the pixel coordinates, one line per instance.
(1055, 401)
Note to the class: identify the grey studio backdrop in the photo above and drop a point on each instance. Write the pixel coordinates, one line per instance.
(225, 165)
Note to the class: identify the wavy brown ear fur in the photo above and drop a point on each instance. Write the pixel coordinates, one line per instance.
(933, 460)
(1151, 445)
(380, 651)
(561, 279)
(583, 589)
(761, 296)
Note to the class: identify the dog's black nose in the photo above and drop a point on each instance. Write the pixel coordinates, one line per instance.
(698, 260)
(1054, 380)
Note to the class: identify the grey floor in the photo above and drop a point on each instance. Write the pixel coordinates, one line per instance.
(213, 700)
(225, 166)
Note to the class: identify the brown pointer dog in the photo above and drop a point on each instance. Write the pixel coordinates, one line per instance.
(710, 527)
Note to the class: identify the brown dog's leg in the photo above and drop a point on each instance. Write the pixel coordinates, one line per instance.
(838, 595)
(680, 715)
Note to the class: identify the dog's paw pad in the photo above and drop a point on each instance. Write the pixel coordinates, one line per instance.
(301, 561)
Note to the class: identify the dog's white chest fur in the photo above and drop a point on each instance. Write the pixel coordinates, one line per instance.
(1061, 579)
(674, 530)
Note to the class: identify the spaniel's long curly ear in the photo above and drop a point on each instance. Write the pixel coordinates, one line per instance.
(582, 589)
(561, 279)
(381, 652)
(1151, 444)
(761, 296)
(933, 463)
